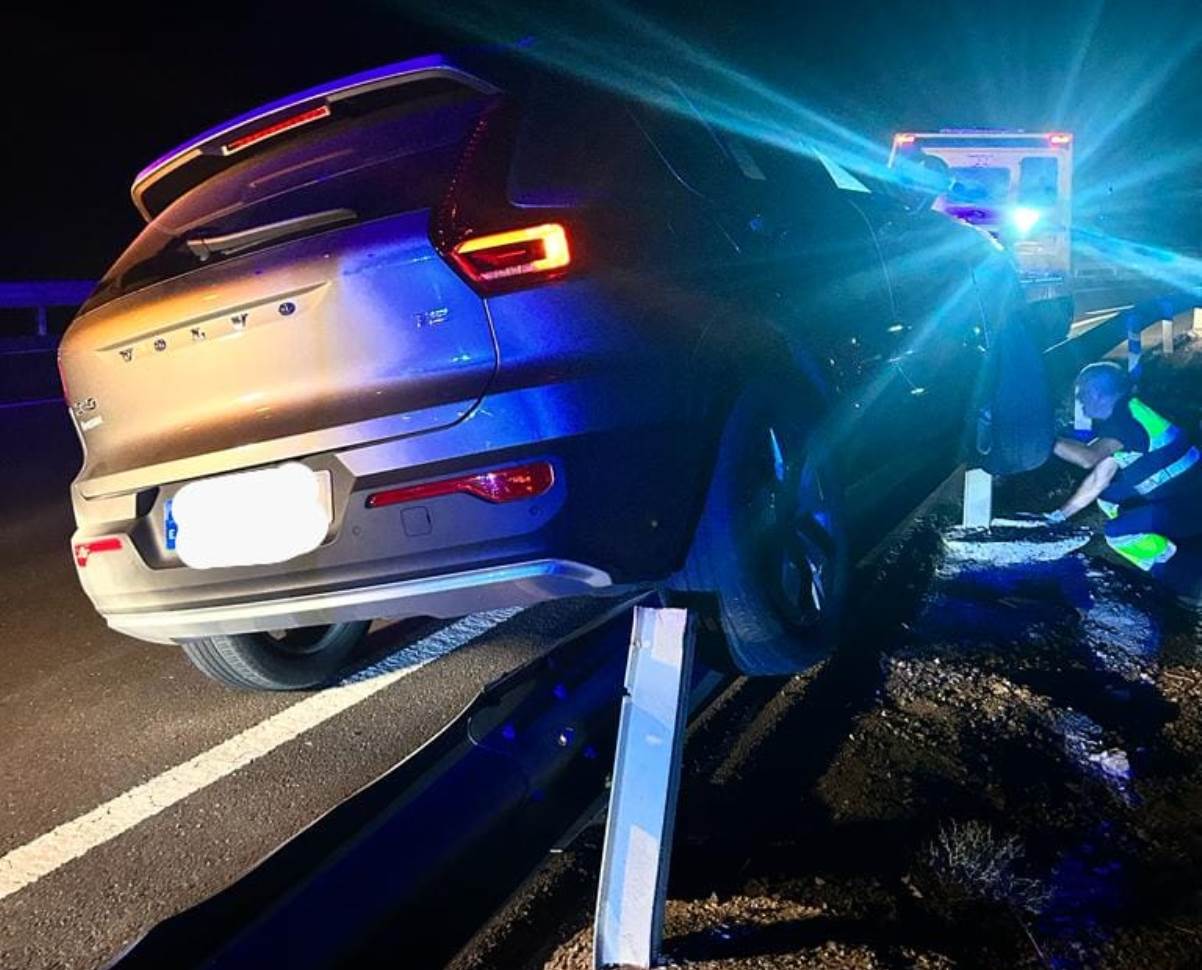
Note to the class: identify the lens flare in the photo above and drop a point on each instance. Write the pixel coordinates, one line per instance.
(1025, 218)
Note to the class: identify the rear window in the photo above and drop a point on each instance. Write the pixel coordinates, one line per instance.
(1037, 180)
(383, 157)
(979, 185)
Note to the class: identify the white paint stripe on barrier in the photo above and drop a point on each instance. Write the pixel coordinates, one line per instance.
(46, 853)
(1110, 310)
(1088, 323)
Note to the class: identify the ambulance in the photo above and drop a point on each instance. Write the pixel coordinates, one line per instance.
(1017, 186)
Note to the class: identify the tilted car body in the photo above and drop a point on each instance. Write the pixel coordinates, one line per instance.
(476, 332)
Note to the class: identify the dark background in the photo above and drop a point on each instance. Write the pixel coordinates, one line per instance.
(92, 97)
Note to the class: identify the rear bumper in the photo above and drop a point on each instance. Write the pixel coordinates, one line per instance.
(609, 402)
(518, 584)
(618, 513)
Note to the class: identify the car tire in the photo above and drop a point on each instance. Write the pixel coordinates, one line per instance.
(770, 545)
(296, 659)
(1013, 426)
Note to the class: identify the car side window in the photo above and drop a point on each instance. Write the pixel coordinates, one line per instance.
(823, 230)
(576, 145)
(797, 186)
(698, 156)
(580, 147)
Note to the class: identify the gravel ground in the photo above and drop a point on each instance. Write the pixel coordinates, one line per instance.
(1001, 769)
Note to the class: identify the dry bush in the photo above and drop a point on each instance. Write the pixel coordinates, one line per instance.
(969, 860)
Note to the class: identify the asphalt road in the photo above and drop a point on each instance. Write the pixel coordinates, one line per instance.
(132, 786)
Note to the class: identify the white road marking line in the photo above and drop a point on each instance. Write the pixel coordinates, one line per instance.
(40, 857)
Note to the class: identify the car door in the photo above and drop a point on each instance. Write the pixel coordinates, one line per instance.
(779, 240)
(929, 258)
(834, 294)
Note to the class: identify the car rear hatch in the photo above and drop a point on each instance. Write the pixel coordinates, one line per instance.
(285, 298)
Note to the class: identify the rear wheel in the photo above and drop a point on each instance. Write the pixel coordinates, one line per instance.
(771, 542)
(279, 660)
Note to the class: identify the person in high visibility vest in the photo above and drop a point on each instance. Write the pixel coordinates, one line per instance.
(1144, 472)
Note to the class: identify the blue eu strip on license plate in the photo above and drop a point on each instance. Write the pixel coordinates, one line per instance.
(169, 525)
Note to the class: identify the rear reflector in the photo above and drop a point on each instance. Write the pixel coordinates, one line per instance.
(500, 255)
(84, 550)
(503, 485)
(278, 128)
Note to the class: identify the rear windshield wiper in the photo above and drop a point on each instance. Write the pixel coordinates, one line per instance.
(206, 247)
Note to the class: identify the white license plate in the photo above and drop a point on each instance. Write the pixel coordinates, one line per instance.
(251, 518)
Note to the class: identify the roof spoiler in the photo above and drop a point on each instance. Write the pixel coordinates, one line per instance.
(214, 142)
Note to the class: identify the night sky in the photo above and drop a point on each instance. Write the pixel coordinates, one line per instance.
(94, 97)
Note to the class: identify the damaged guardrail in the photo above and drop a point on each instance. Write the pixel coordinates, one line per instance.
(415, 862)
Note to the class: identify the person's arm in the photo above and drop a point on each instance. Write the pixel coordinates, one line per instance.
(1094, 485)
(1086, 455)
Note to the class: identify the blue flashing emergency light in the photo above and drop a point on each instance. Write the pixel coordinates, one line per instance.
(1025, 218)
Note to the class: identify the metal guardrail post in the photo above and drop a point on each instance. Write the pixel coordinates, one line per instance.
(1168, 334)
(628, 928)
(1183, 323)
(978, 499)
(1135, 349)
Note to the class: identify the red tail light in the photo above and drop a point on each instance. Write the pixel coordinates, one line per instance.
(541, 250)
(478, 231)
(278, 128)
(1060, 138)
(903, 138)
(85, 550)
(503, 485)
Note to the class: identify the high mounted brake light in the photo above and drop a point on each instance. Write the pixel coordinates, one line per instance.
(277, 128)
(498, 487)
(496, 256)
